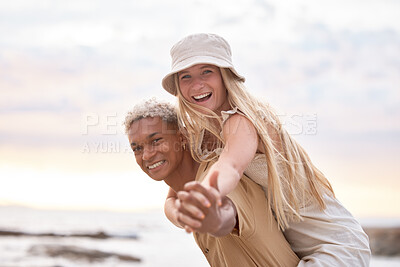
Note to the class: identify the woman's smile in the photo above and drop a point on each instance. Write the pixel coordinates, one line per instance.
(202, 97)
(202, 84)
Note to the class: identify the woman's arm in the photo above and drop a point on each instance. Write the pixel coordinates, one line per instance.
(241, 142)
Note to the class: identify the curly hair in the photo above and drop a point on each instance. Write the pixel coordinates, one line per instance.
(151, 108)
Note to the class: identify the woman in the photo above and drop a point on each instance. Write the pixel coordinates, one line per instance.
(225, 123)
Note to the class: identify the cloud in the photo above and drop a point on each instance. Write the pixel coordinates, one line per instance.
(300, 60)
(64, 63)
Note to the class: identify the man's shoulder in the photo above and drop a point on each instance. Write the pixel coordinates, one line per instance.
(203, 169)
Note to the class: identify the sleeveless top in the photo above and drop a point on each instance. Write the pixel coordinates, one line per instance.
(257, 169)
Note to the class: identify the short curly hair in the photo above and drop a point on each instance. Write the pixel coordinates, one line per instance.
(151, 108)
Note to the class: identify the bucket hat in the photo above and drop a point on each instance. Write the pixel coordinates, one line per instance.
(202, 48)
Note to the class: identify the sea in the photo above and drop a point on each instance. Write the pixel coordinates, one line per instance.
(147, 236)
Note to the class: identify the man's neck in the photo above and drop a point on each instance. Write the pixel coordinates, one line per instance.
(185, 173)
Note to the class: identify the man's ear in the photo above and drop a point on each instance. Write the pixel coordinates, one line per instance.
(182, 138)
(183, 141)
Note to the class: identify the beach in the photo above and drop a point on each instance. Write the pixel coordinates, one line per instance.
(32, 237)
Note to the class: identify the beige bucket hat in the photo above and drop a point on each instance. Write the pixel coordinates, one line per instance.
(195, 49)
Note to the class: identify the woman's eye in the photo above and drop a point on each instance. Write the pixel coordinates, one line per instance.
(207, 71)
(187, 76)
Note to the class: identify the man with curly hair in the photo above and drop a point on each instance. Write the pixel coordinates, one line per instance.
(236, 230)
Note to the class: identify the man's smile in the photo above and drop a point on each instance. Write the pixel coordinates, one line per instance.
(155, 165)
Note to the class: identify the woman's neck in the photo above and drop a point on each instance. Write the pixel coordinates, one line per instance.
(224, 107)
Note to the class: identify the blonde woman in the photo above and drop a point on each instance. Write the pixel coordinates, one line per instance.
(224, 122)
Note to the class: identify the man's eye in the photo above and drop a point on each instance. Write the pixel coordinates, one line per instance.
(155, 141)
(136, 149)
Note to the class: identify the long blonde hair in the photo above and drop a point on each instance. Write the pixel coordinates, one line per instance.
(292, 177)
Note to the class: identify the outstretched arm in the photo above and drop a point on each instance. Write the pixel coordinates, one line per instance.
(241, 142)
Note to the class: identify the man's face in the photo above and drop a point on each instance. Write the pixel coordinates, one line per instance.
(157, 147)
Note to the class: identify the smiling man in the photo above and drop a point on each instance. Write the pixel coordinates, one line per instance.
(159, 147)
(241, 231)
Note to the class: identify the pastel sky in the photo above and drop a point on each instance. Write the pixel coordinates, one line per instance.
(70, 70)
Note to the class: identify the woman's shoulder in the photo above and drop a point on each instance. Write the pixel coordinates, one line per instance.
(228, 113)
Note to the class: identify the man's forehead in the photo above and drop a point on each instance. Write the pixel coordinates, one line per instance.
(150, 125)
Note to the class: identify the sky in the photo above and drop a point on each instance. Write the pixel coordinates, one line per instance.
(71, 70)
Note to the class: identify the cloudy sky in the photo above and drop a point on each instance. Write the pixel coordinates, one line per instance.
(70, 70)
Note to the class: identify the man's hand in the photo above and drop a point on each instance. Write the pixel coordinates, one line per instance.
(200, 209)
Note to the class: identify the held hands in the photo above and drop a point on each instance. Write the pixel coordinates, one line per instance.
(199, 207)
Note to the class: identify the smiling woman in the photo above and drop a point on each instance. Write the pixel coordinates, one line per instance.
(246, 137)
(202, 84)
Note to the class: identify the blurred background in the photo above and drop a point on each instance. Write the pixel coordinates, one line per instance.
(70, 71)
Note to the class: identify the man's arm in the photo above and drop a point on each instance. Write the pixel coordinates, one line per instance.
(171, 208)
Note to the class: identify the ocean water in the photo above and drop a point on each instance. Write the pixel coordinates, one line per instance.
(159, 243)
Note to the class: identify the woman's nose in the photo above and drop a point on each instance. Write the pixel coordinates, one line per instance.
(198, 82)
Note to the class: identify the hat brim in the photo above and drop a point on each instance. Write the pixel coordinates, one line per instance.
(168, 82)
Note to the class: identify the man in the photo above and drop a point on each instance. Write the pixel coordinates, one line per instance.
(236, 230)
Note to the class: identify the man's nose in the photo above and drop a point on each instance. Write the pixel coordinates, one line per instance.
(148, 153)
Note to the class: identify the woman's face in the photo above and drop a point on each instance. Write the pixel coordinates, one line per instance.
(157, 147)
(202, 85)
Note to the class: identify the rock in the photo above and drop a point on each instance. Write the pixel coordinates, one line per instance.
(384, 241)
(78, 253)
(95, 235)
